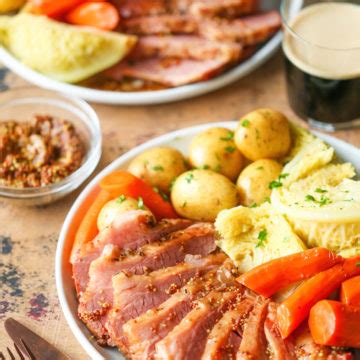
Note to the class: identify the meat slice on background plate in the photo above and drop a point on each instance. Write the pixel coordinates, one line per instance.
(225, 337)
(185, 47)
(211, 8)
(135, 294)
(169, 72)
(160, 24)
(133, 8)
(249, 30)
(187, 340)
(97, 300)
(128, 232)
(143, 332)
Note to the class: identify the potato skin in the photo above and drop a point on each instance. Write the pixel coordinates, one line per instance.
(115, 207)
(9, 5)
(253, 182)
(158, 167)
(202, 194)
(214, 149)
(263, 134)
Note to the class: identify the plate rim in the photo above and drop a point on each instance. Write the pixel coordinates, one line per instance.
(145, 97)
(77, 327)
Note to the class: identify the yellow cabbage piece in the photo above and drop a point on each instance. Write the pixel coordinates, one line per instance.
(63, 52)
(319, 200)
(252, 236)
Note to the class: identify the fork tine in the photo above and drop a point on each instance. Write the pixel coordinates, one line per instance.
(19, 352)
(11, 354)
(28, 351)
(2, 357)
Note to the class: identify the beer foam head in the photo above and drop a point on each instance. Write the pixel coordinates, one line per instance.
(323, 39)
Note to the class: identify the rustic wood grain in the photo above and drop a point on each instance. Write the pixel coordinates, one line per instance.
(28, 236)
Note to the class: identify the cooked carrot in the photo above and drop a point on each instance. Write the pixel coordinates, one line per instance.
(293, 310)
(123, 183)
(350, 291)
(101, 15)
(53, 8)
(87, 229)
(277, 274)
(335, 324)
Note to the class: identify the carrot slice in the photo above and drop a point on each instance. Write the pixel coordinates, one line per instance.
(123, 183)
(277, 274)
(335, 324)
(101, 15)
(87, 229)
(293, 310)
(53, 8)
(350, 291)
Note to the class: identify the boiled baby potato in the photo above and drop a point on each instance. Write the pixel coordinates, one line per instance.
(159, 167)
(253, 182)
(10, 5)
(215, 149)
(202, 194)
(115, 207)
(263, 134)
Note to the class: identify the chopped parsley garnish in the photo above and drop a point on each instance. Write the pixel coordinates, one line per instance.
(120, 199)
(189, 177)
(228, 137)
(277, 183)
(184, 204)
(320, 191)
(357, 264)
(245, 123)
(230, 149)
(218, 168)
(260, 168)
(261, 237)
(158, 168)
(257, 134)
(205, 167)
(140, 203)
(267, 199)
(254, 205)
(322, 201)
(309, 198)
(162, 194)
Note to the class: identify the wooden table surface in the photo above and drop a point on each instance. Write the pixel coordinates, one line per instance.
(28, 236)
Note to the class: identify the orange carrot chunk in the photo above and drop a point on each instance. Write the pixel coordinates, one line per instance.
(335, 324)
(101, 15)
(87, 229)
(296, 308)
(123, 183)
(277, 274)
(350, 291)
(53, 8)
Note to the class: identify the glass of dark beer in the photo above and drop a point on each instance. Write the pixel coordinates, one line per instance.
(322, 61)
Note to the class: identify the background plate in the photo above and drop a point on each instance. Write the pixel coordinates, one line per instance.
(150, 97)
(65, 286)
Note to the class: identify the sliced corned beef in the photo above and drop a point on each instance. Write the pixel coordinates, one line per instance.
(97, 300)
(133, 8)
(188, 339)
(160, 24)
(253, 343)
(135, 294)
(185, 47)
(249, 30)
(169, 72)
(224, 339)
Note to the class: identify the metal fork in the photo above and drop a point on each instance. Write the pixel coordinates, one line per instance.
(27, 352)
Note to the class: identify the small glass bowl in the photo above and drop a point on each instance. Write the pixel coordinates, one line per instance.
(21, 105)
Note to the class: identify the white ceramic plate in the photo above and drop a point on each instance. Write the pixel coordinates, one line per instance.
(150, 97)
(65, 286)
